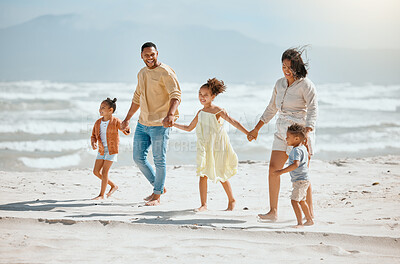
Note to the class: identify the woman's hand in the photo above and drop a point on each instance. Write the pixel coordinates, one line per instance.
(253, 134)
(308, 129)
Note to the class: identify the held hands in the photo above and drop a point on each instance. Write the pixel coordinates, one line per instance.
(168, 121)
(126, 131)
(124, 125)
(253, 134)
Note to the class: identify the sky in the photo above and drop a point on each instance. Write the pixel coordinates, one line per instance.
(356, 24)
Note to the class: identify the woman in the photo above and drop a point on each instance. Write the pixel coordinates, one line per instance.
(295, 99)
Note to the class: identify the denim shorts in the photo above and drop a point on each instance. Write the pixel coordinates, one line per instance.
(107, 155)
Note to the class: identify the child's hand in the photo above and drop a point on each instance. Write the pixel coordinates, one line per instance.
(277, 173)
(253, 134)
(127, 131)
(94, 145)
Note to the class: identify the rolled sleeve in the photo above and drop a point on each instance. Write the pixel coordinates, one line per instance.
(172, 86)
(136, 96)
(271, 109)
(310, 97)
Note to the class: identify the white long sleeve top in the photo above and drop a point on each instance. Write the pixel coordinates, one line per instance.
(296, 102)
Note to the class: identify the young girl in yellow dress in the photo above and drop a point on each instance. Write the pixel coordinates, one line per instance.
(216, 159)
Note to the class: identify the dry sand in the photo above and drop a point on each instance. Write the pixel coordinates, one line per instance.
(48, 217)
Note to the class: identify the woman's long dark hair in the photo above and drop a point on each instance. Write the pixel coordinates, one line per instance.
(298, 67)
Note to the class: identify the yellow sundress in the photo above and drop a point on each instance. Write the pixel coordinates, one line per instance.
(216, 158)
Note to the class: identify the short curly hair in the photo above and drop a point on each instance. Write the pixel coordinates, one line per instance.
(216, 86)
(298, 130)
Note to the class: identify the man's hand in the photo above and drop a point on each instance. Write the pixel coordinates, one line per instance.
(168, 121)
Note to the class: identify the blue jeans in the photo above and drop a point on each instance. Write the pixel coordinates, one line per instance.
(157, 137)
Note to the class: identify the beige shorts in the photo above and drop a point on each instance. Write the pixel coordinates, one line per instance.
(299, 192)
(280, 137)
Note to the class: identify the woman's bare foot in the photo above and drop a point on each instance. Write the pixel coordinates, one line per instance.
(150, 197)
(112, 190)
(268, 216)
(98, 198)
(201, 208)
(309, 222)
(231, 205)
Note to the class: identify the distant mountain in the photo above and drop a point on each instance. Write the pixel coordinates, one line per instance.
(64, 48)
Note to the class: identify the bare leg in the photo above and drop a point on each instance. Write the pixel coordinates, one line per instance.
(278, 159)
(297, 211)
(203, 194)
(104, 179)
(231, 200)
(306, 211)
(98, 165)
(310, 201)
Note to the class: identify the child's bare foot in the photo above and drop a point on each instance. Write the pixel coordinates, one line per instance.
(112, 190)
(98, 198)
(298, 226)
(268, 216)
(201, 208)
(231, 205)
(150, 197)
(309, 222)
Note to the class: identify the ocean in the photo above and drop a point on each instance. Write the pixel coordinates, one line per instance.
(47, 125)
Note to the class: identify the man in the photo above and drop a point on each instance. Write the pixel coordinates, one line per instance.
(157, 95)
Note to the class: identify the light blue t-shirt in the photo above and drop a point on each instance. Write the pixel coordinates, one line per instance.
(301, 173)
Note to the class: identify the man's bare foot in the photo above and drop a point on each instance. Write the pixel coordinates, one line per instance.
(268, 216)
(201, 208)
(153, 202)
(231, 205)
(98, 198)
(112, 190)
(150, 197)
(298, 226)
(309, 222)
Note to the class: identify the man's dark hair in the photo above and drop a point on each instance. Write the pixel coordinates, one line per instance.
(148, 45)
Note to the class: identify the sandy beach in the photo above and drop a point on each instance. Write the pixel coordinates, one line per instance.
(48, 217)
